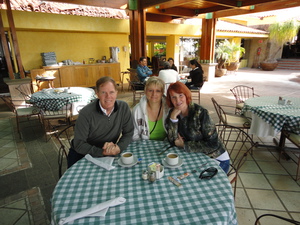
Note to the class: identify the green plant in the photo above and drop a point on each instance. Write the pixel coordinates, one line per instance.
(227, 52)
(279, 33)
(159, 49)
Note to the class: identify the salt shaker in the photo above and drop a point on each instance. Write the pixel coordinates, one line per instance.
(152, 176)
(145, 175)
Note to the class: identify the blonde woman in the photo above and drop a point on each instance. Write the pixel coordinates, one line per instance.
(150, 113)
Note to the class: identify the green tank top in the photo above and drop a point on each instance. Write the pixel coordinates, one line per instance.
(158, 133)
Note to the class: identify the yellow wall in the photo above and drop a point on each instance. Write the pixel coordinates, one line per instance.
(166, 29)
(70, 37)
(71, 45)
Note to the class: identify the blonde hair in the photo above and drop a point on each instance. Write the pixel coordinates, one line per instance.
(156, 81)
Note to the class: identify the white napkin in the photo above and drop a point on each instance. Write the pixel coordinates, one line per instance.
(104, 162)
(97, 210)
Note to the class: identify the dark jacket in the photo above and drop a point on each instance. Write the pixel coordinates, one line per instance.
(198, 131)
(197, 77)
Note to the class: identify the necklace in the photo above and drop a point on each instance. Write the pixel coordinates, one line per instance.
(156, 118)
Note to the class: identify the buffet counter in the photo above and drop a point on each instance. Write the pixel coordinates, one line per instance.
(84, 75)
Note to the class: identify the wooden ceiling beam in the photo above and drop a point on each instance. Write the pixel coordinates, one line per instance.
(115, 4)
(175, 11)
(171, 4)
(152, 3)
(258, 8)
(227, 3)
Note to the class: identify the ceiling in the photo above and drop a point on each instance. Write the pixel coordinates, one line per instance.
(165, 10)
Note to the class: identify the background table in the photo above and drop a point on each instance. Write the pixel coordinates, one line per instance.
(196, 202)
(79, 95)
(268, 117)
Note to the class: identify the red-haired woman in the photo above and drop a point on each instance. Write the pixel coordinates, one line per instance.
(190, 127)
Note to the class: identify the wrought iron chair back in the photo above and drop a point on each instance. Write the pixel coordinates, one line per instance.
(53, 119)
(230, 119)
(238, 144)
(242, 93)
(64, 138)
(26, 91)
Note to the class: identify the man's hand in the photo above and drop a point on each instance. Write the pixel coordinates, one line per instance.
(109, 148)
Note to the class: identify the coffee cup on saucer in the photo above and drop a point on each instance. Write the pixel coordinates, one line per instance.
(127, 158)
(172, 159)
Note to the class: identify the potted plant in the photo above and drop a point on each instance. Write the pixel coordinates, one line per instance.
(228, 55)
(222, 55)
(279, 33)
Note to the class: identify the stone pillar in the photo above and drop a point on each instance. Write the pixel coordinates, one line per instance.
(209, 70)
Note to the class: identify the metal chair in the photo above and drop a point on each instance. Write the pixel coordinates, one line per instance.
(64, 139)
(53, 119)
(257, 221)
(295, 139)
(27, 112)
(242, 93)
(196, 95)
(238, 144)
(26, 91)
(137, 90)
(230, 119)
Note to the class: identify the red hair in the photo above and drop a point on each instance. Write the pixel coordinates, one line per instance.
(179, 88)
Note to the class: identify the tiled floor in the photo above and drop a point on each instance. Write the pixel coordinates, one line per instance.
(28, 167)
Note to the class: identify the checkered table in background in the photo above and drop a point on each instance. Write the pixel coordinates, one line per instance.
(77, 94)
(196, 202)
(268, 109)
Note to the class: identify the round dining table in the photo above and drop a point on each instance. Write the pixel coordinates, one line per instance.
(270, 116)
(196, 201)
(78, 96)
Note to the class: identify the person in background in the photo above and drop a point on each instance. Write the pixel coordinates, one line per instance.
(171, 61)
(104, 127)
(196, 75)
(190, 127)
(150, 113)
(168, 75)
(142, 70)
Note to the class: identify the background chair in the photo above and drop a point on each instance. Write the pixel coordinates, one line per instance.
(26, 91)
(242, 93)
(27, 112)
(64, 139)
(238, 144)
(295, 152)
(53, 119)
(137, 90)
(196, 95)
(257, 221)
(230, 119)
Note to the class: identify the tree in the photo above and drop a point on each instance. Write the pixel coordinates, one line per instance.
(279, 33)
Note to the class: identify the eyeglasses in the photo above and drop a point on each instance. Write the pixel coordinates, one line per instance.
(208, 173)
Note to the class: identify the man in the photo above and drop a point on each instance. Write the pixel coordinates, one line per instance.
(168, 75)
(104, 127)
(142, 70)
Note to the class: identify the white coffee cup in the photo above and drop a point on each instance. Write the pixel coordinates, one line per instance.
(127, 158)
(172, 159)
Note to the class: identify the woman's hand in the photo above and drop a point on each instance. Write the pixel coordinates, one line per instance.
(179, 142)
(175, 113)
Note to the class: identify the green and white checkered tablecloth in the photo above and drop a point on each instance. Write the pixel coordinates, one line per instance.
(196, 202)
(271, 112)
(77, 94)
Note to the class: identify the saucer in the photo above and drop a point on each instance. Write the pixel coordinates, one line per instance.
(135, 160)
(179, 164)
